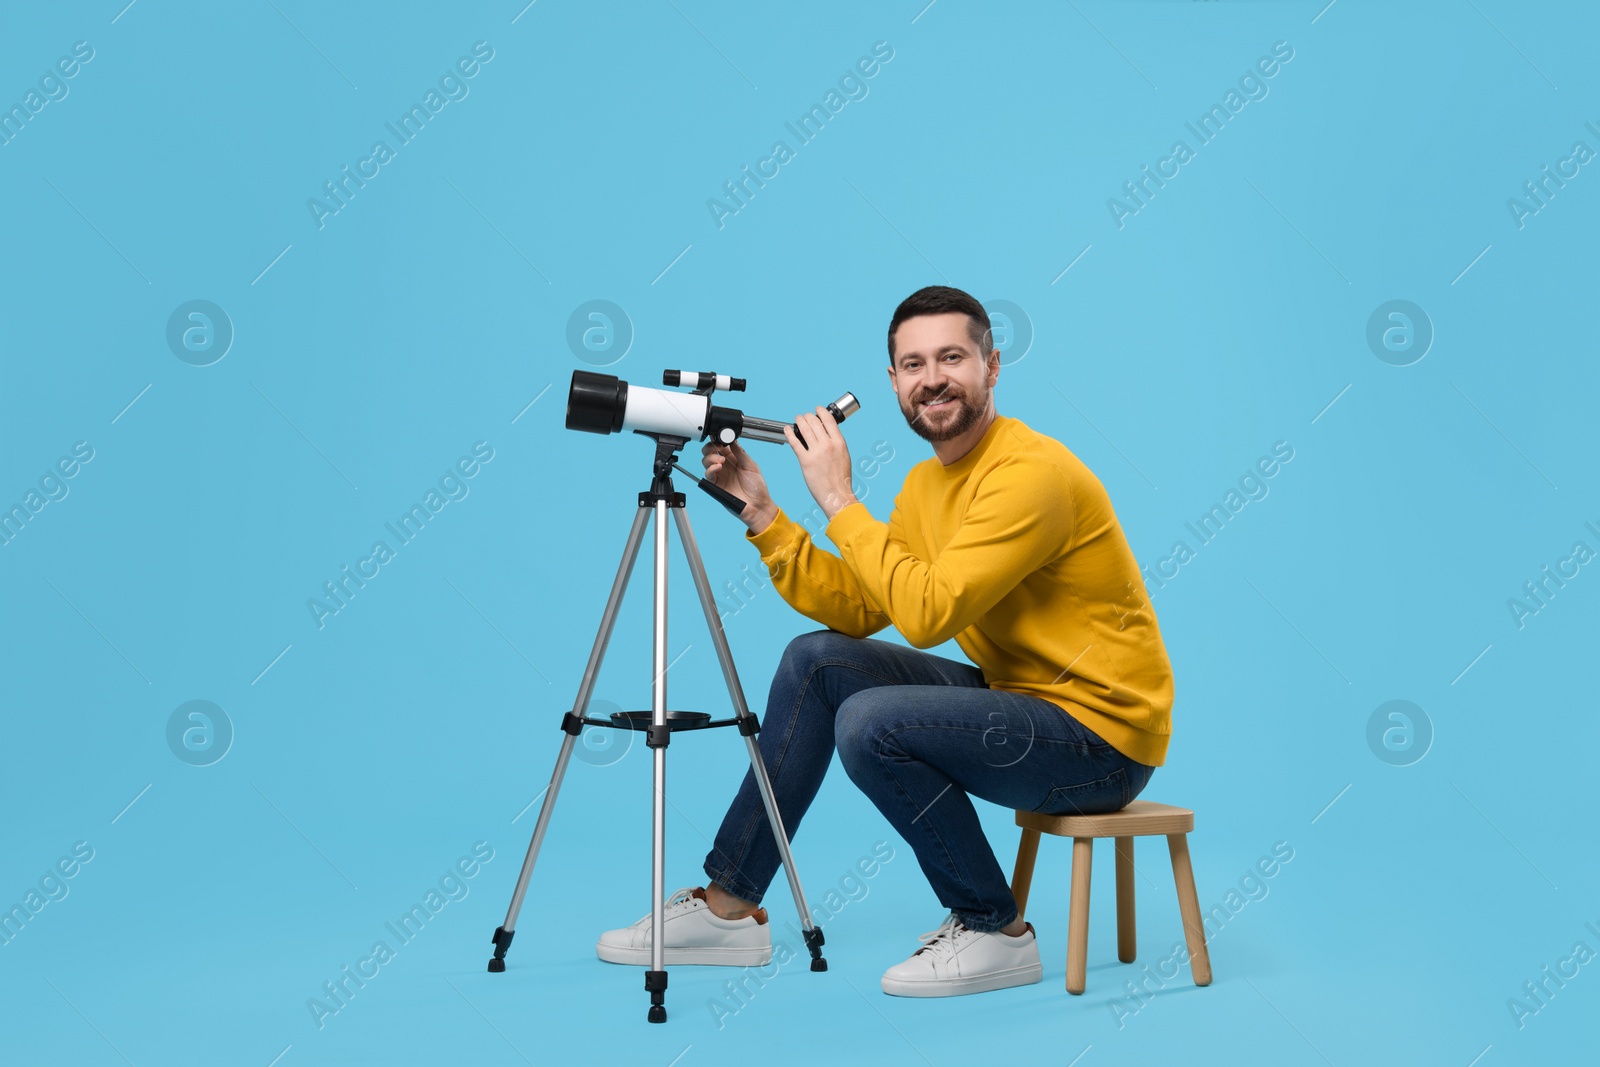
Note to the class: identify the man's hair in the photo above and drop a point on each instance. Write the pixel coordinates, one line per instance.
(937, 300)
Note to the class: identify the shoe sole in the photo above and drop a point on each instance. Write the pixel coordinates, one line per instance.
(955, 987)
(713, 957)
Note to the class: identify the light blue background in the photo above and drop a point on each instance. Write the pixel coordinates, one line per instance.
(428, 313)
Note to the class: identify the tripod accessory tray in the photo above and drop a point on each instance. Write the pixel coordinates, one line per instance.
(676, 720)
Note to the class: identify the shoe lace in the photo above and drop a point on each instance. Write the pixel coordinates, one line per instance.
(941, 942)
(679, 896)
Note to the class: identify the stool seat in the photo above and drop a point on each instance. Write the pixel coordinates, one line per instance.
(1141, 818)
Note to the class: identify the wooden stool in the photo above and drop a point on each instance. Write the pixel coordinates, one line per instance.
(1139, 819)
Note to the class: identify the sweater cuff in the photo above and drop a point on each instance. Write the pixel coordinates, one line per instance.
(849, 521)
(780, 533)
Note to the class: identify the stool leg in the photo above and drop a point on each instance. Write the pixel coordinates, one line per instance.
(1078, 914)
(1194, 931)
(1022, 875)
(1127, 943)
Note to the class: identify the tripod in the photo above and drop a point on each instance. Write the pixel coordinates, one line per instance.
(658, 727)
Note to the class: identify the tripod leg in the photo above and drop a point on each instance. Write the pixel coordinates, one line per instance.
(503, 934)
(655, 979)
(572, 726)
(748, 725)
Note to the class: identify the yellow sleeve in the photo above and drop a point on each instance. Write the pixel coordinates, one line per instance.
(1020, 518)
(814, 581)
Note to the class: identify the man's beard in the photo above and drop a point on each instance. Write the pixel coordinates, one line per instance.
(942, 424)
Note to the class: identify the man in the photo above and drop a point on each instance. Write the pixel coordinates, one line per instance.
(1003, 541)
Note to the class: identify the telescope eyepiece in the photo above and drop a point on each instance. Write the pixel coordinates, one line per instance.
(845, 406)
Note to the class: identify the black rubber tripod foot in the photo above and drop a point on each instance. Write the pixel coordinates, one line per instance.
(502, 942)
(813, 938)
(655, 983)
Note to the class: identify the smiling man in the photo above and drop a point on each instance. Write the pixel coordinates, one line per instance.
(1003, 541)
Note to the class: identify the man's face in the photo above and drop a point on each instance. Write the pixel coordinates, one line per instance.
(939, 375)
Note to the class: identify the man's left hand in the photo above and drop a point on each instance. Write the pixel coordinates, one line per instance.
(824, 459)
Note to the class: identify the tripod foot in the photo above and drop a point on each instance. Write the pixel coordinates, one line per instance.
(813, 938)
(655, 983)
(502, 941)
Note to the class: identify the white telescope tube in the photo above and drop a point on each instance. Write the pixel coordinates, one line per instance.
(660, 411)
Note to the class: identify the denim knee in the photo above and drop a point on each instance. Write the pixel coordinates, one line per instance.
(857, 733)
(811, 648)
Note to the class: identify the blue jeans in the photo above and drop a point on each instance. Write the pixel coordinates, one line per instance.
(920, 735)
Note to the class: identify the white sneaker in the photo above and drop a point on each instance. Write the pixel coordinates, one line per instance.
(954, 960)
(692, 935)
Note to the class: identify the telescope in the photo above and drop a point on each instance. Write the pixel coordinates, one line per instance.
(600, 403)
(603, 403)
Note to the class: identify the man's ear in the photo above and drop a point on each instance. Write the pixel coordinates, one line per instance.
(994, 367)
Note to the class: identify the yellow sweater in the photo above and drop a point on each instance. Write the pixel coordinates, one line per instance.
(1014, 551)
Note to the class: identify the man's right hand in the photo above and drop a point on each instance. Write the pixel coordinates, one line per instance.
(730, 467)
